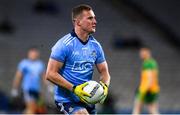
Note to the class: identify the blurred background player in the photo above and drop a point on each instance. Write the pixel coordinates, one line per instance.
(30, 74)
(148, 90)
(72, 62)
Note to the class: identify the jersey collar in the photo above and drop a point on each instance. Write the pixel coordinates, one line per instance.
(75, 35)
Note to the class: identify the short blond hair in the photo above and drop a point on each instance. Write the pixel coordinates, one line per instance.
(77, 10)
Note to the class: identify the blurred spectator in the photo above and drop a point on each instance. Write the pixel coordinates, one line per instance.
(127, 42)
(148, 90)
(6, 26)
(31, 72)
(48, 7)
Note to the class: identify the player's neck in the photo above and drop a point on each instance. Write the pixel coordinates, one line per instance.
(82, 34)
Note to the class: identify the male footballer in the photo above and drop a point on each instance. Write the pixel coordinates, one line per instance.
(30, 73)
(148, 90)
(72, 62)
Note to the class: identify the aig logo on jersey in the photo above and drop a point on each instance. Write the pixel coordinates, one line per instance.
(82, 66)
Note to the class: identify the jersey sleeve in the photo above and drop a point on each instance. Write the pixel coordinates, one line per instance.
(100, 55)
(21, 66)
(59, 52)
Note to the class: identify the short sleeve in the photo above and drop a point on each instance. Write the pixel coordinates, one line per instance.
(21, 66)
(100, 55)
(59, 52)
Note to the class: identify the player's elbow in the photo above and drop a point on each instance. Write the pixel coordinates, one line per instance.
(109, 77)
(49, 75)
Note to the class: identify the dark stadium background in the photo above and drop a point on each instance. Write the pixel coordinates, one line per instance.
(123, 27)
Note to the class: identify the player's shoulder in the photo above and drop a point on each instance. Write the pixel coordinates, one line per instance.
(24, 62)
(40, 62)
(94, 41)
(154, 62)
(150, 64)
(151, 61)
(63, 41)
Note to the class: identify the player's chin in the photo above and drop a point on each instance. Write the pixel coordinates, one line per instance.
(93, 30)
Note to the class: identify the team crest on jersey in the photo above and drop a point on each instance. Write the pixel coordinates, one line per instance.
(93, 54)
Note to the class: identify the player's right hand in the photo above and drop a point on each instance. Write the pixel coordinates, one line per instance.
(78, 90)
(105, 88)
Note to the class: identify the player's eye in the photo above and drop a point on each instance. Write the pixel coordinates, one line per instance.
(91, 18)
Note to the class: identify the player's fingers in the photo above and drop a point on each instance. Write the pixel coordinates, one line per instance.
(106, 91)
(102, 99)
(104, 87)
(102, 96)
(86, 94)
(84, 84)
(84, 100)
(102, 84)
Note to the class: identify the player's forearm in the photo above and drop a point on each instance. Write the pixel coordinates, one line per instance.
(17, 80)
(15, 84)
(44, 82)
(104, 73)
(57, 79)
(105, 78)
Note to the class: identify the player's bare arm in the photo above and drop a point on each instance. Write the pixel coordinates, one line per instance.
(53, 76)
(17, 79)
(44, 81)
(104, 73)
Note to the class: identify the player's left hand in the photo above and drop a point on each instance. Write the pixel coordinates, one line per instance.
(105, 87)
(14, 92)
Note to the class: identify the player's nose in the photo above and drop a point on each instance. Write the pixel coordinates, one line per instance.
(94, 21)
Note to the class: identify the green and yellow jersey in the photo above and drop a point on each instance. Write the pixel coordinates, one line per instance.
(149, 86)
(149, 76)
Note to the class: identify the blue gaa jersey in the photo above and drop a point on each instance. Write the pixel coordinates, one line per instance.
(32, 74)
(79, 59)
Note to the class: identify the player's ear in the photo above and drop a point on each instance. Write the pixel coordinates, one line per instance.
(73, 21)
(78, 22)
